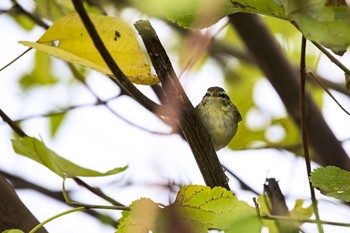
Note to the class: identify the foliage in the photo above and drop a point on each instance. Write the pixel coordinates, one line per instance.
(298, 212)
(13, 231)
(41, 73)
(196, 209)
(242, 78)
(325, 24)
(332, 181)
(200, 14)
(38, 151)
(68, 39)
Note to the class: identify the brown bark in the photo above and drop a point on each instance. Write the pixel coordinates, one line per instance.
(13, 213)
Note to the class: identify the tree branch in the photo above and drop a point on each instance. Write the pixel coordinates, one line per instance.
(303, 128)
(20, 183)
(119, 77)
(284, 79)
(13, 213)
(12, 124)
(188, 120)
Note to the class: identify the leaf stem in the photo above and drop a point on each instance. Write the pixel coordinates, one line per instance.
(97, 192)
(327, 91)
(332, 58)
(81, 208)
(117, 205)
(14, 60)
(275, 217)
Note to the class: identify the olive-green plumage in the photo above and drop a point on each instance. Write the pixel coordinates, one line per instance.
(219, 116)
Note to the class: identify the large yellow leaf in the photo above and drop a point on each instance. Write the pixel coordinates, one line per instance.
(68, 39)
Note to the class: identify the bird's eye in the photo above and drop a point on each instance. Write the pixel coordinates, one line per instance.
(223, 95)
(207, 94)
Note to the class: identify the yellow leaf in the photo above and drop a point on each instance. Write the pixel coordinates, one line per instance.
(68, 39)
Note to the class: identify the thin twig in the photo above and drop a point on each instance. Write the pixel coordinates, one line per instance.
(274, 65)
(332, 58)
(117, 205)
(62, 111)
(81, 79)
(221, 48)
(17, 7)
(304, 130)
(327, 53)
(104, 207)
(257, 208)
(274, 217)
(102, 102)
(292, 147)
(12, 124)
(119, 77)
(243, 184)
(21, 183)
(338, 87)
(14, 60)
(97, 192)
(327, 91)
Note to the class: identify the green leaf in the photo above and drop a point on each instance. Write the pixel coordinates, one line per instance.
(37, 150)
(264, 203)
(327, 25)
(54, 10)
(68, 39)
(196, 209)
(300, 212)
(288, 36)
(332, 181)
(204, 13)
(55, 123)
(319, 22)
(24, 21)
(214, 208)
(41, 73)
(195, 13)
(267, 7)
(13, 231)
(142, 217)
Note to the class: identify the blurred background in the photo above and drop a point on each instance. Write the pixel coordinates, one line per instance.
(43, 96)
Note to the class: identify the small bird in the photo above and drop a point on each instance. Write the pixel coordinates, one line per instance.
(219, 116)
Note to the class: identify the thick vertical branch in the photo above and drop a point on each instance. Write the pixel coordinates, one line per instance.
(188, 119)
(284, 79)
